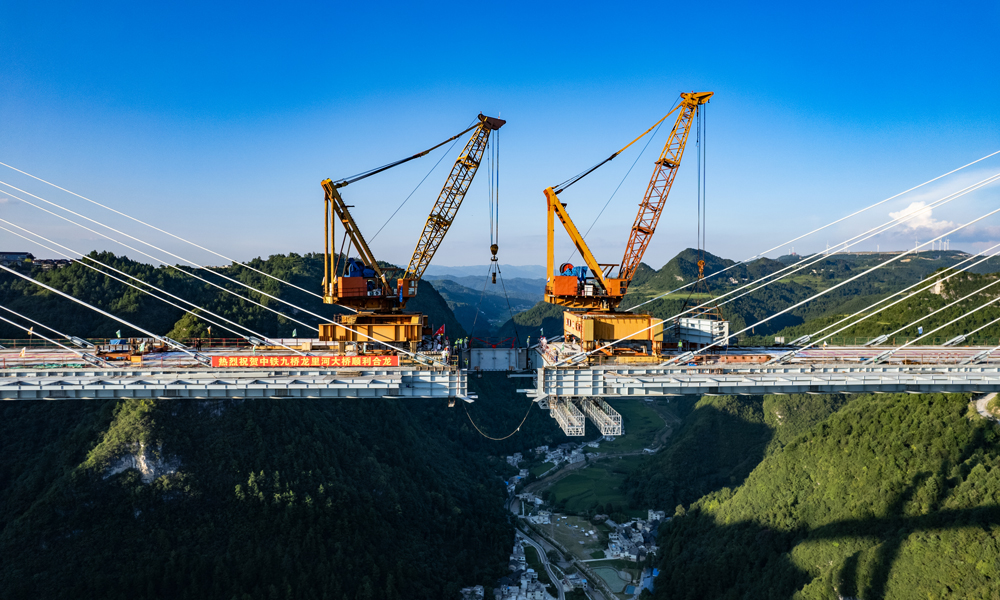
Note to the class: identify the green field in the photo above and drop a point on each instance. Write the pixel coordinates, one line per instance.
(640, 423)
(542, 468)
(599, 483)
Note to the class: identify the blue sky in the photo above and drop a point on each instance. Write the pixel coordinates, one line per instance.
(219, 122)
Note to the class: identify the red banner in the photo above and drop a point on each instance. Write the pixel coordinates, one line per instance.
(321, 362)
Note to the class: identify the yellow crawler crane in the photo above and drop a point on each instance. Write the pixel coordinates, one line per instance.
(597, 294)
(362, 284)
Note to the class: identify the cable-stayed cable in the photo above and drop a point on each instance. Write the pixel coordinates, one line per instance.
(188, 302)
(141, 241)
(358, 333)
(817, 230)
(808, 339)
(888, 353)
(52, 329)
(163, 231)
(84, 355)
(842, 283)
(878, 229)
(979, 185)
(173, 344)
(875, 231)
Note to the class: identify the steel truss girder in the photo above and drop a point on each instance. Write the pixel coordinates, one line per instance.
(623, 381)
(85, 384)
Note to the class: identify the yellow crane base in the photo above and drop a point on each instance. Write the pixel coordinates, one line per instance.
(403, 330)
(592, 329)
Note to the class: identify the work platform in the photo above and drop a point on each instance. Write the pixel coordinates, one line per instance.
(201, 383)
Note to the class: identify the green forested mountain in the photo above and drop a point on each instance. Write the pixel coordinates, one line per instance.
(160, 318)
(893, 496)
(257, 499)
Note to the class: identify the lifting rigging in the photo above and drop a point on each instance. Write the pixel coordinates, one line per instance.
(369, 288)
(596, 289)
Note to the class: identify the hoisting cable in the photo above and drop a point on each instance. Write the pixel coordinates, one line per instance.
(620, 183)
(84, 355)
(358, 177)
(509, 308)
(562, 186)
(818, 229)
(517, 429)
(179, 299)
(963, 192)
(446, 153)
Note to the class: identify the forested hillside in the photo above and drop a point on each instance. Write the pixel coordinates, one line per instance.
(893, 496)
(141, 309)
(257, 499)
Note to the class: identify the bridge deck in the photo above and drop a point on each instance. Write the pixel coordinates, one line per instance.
(833, 378)
(194, 383)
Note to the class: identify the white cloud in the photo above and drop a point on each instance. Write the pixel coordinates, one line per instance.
(922, 221)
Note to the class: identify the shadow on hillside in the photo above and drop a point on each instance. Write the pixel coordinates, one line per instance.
(695, 463)
(742, 560)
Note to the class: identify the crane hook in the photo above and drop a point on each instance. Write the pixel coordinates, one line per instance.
(493, 249)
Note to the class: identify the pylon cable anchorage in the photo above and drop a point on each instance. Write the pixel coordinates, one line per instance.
(283, 315)
(875, 231)
(817, 230)
(90, 358)
(141, 241)
(903, 296)
(959, 194)
(846, 281)
(163, 231)
(146, 291)
(173, 344)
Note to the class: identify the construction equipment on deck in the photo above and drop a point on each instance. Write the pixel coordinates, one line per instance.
(595, 288)
(369, 288)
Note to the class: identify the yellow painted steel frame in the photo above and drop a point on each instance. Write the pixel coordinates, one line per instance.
(450, 198)
(555, 207)
(336, 202)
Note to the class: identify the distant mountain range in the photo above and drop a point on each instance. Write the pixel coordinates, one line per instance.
(508, 271)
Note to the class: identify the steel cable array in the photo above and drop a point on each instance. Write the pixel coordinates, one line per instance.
(817, 230)
(893, 222)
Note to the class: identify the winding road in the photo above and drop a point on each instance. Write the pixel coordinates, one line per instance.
(545, 562)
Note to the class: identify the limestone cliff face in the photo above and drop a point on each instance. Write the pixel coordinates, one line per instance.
(150, 465)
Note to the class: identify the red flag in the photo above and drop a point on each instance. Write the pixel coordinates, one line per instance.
(440, 331)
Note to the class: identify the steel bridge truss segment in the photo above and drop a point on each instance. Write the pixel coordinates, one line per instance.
(607, 419)
(180, 383)
(569, 417)
(575, 384)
